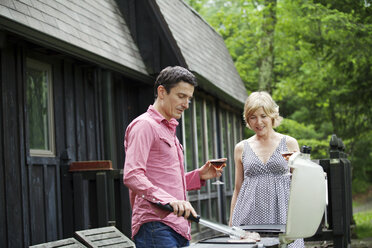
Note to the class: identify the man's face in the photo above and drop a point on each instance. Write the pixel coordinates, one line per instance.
(173, 104)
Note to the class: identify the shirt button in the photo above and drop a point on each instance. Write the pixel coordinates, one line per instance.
(153, 199)
(143, 196)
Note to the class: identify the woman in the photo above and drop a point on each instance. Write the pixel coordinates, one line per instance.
(262, 177)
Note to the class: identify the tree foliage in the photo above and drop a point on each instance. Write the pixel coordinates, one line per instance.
(321, 74)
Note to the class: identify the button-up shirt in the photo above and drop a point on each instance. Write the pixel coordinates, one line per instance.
(154, 171)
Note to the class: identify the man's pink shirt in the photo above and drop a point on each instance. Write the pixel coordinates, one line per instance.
(154, 171)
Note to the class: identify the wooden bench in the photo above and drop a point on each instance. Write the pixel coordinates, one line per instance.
(104, 237)
(64, 243)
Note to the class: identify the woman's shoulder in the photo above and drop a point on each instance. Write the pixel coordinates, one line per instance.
(290, 139)
(292, 143)
(240, 146)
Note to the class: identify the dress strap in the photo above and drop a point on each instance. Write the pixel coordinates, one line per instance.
(245, 150)
(283, 143)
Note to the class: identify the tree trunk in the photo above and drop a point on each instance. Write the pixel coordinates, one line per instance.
(267, 60)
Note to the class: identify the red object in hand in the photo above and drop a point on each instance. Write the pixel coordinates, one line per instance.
(286, 155)
(218, 163)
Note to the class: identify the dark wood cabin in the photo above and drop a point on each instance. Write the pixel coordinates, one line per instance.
(73, 74)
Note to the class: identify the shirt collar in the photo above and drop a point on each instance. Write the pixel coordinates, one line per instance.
(172, 124)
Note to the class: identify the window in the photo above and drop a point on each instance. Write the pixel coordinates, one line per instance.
(225, 147)
(211, 130)
(200, 138)
(200, 130)
(230, 123)
(204, 138)
(39, 100)
(188, 138)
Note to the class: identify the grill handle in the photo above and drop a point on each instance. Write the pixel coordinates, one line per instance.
(169, 208)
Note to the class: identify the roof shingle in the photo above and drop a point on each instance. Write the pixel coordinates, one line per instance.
(202, 47)
(95, 26)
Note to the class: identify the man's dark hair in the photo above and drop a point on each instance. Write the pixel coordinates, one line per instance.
(170, 76)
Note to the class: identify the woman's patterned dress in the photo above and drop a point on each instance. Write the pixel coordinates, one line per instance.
(264, 194)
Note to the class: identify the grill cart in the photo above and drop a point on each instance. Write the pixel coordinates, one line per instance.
(307, 203)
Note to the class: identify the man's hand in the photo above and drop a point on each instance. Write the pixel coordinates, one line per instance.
(181, 207)
(207, 171)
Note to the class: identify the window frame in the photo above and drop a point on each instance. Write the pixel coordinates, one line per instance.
(47, 68)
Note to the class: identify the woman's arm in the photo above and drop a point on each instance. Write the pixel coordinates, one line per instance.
(239, 176)
(292, 144)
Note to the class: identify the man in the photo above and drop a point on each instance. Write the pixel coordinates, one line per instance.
(154, 169)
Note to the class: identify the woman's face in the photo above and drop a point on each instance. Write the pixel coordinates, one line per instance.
(260, 122)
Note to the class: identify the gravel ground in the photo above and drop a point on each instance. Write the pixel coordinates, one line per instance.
(367, 206)
(355, 243)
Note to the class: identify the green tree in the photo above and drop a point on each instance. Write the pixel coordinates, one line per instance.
(320, 55)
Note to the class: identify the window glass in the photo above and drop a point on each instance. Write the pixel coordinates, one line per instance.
(225, 147)
(237, 139)
(188, 138)
(227, 151)
(204, 210)
(228, 205)
(194, 225)
(199, 131)
(238, 128)
(210, 130)
(200, 135)
(39, 108)
(211, 137)
(231, 149)
(214, 206)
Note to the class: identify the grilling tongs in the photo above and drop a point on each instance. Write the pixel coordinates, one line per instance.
(233, 232)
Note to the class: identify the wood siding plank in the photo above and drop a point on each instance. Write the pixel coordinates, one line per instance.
(51, 202)
(81, 149)
(23, 144)
(102, 201)
(3, 224)
(12, 172)
(37, 207)
(67, 202)
(70, 111)
(90, 120)
(125, 213)
(100, 145)
(120, 123)
(79, 213)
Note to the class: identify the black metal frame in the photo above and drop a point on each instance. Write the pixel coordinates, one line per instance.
(339, 212)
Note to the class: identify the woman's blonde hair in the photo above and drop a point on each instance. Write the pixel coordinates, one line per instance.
(262, 99)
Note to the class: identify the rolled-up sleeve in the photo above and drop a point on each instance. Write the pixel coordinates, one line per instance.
(193, 181)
